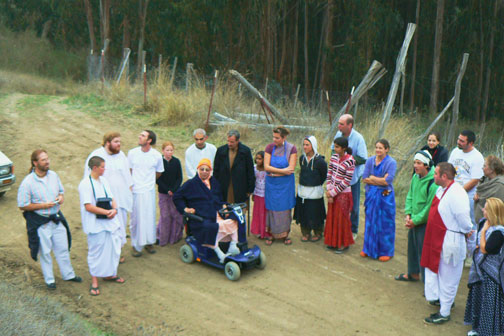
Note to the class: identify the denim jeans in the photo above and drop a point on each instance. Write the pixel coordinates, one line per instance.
(354, 216)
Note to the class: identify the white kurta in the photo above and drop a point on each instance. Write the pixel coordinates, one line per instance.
(118, 175)
(193, 156)
(144, 167)
(104, 235)
(455, 213)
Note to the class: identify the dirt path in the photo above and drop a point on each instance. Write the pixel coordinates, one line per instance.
(303, 290)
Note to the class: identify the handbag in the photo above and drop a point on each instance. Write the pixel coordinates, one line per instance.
(101, 202)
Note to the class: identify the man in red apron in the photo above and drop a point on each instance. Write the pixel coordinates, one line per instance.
(444, 248)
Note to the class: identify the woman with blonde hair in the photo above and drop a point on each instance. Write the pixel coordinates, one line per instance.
(485, 301)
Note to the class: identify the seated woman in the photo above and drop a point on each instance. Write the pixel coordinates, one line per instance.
(201, 196)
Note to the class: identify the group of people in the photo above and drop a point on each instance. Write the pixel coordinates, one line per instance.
(453, 208)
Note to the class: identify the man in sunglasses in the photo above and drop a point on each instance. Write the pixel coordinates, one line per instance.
(200, 149)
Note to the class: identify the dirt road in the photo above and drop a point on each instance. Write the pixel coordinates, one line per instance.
(303, 290)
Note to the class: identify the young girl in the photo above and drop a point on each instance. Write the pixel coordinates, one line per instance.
(258, 226)
(170, 226)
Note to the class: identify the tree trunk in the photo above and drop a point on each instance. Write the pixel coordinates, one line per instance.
(414, 62)
(481, 65)
(89, 16)
(126, 33)
(105, 20)
(46, 28)
(295, 48)
(305, 48)
(284, 43)
(437, 57)
(489, 64)
(324, 70)
(142, 14)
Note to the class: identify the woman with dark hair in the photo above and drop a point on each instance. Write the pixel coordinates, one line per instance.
(378, 176)
(438, 152)
(338, 230)
(280, 195)
(310, 207)
(490, 185)
(485, 301)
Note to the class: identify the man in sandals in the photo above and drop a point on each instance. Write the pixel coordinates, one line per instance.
(101, 225)
(418, 202)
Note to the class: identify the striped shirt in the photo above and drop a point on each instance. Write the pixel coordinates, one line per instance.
(36, 189)
(340, 174)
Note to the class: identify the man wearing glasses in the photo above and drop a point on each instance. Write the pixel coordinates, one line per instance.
(200, 149)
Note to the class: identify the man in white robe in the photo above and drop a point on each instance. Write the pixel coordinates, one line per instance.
(103, 234)
(444, 249)
(118, 175)
(199, 150)
(146, 166)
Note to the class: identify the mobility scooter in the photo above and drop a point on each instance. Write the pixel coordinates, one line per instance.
(233, 264)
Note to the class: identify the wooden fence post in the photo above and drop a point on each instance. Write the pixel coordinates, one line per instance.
(174, 68)
(211, 99)
(188, 76)
(297, 94)
(126, 53)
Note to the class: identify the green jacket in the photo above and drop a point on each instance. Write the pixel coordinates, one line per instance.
(419, 199)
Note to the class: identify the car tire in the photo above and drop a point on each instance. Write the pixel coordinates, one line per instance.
(232, 271)
(262, 261)
(186, 254)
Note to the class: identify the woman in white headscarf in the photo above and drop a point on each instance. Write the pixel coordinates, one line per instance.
(310, 208)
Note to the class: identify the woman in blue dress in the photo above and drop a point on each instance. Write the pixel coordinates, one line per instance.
(379, 173)
(280, 192)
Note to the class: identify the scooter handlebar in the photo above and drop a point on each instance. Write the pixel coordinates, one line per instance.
(193, 217)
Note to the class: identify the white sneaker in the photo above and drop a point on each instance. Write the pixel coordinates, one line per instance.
(354, 235)
(472, 333)
(468, 262)
(233, 250)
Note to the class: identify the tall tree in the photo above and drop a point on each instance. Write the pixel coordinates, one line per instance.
(488, 73)
(142, 14)
(305, 49)
(437, 56)
(414, 62)
(89, 16)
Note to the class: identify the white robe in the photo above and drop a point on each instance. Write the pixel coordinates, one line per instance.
(455, 213)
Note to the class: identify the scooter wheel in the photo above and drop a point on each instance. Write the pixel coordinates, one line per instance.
(232, 271)
(262, 261)
(186, 254)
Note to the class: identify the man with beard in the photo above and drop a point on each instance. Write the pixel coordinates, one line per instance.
(146, 166)
(40, 196)
(118, 175)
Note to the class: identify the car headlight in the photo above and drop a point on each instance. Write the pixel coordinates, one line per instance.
(5, 170)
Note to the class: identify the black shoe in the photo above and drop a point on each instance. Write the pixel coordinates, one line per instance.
(437, 303)
(330, 248)
(341, 250)
(437, 318)
(51, 286)
(75, 279)
(150, 249)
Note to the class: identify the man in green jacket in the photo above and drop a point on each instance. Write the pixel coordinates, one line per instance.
(418, 202)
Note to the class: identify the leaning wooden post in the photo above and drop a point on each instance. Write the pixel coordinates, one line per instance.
(258, 95)
(145, 83)
(328, 107)
(455, 112)
(349, 100)
(126, 54)
(387, 111)
(297, 94)
(173, 72)
(266, 88)
(211, 99)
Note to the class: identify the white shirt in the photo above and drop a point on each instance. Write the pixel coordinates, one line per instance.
(144, 167)
(455, 213)
(118, 175)
(193, 156)
(469, 166)
(91, 224)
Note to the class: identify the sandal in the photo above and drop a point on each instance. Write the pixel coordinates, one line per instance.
(116, 279)
(269, 241)
(305, 239)
(315, 238)
(95, 289)
(287, 241)
(405, 277)
(122, 260)
(384, 258)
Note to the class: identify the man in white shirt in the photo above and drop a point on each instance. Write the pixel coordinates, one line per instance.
(118, 175)
(444, 248)
(101, 225)
(200, 149)
(146, 166)
(40, 196)
(468, 163)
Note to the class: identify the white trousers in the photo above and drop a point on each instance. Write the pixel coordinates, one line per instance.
(104, 251)
(143, 220)
(122, 215)
(443, 286)
(53, 237)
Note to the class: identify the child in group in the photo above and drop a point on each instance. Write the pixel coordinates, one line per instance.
(258, 226)
(170, 225)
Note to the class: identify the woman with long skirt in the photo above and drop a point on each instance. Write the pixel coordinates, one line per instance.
(485, 301)
(338, 232)
(310, 208)
(379, 173)
(258, 226)
(280, 195)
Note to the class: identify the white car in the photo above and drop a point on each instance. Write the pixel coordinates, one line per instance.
(7, 177)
